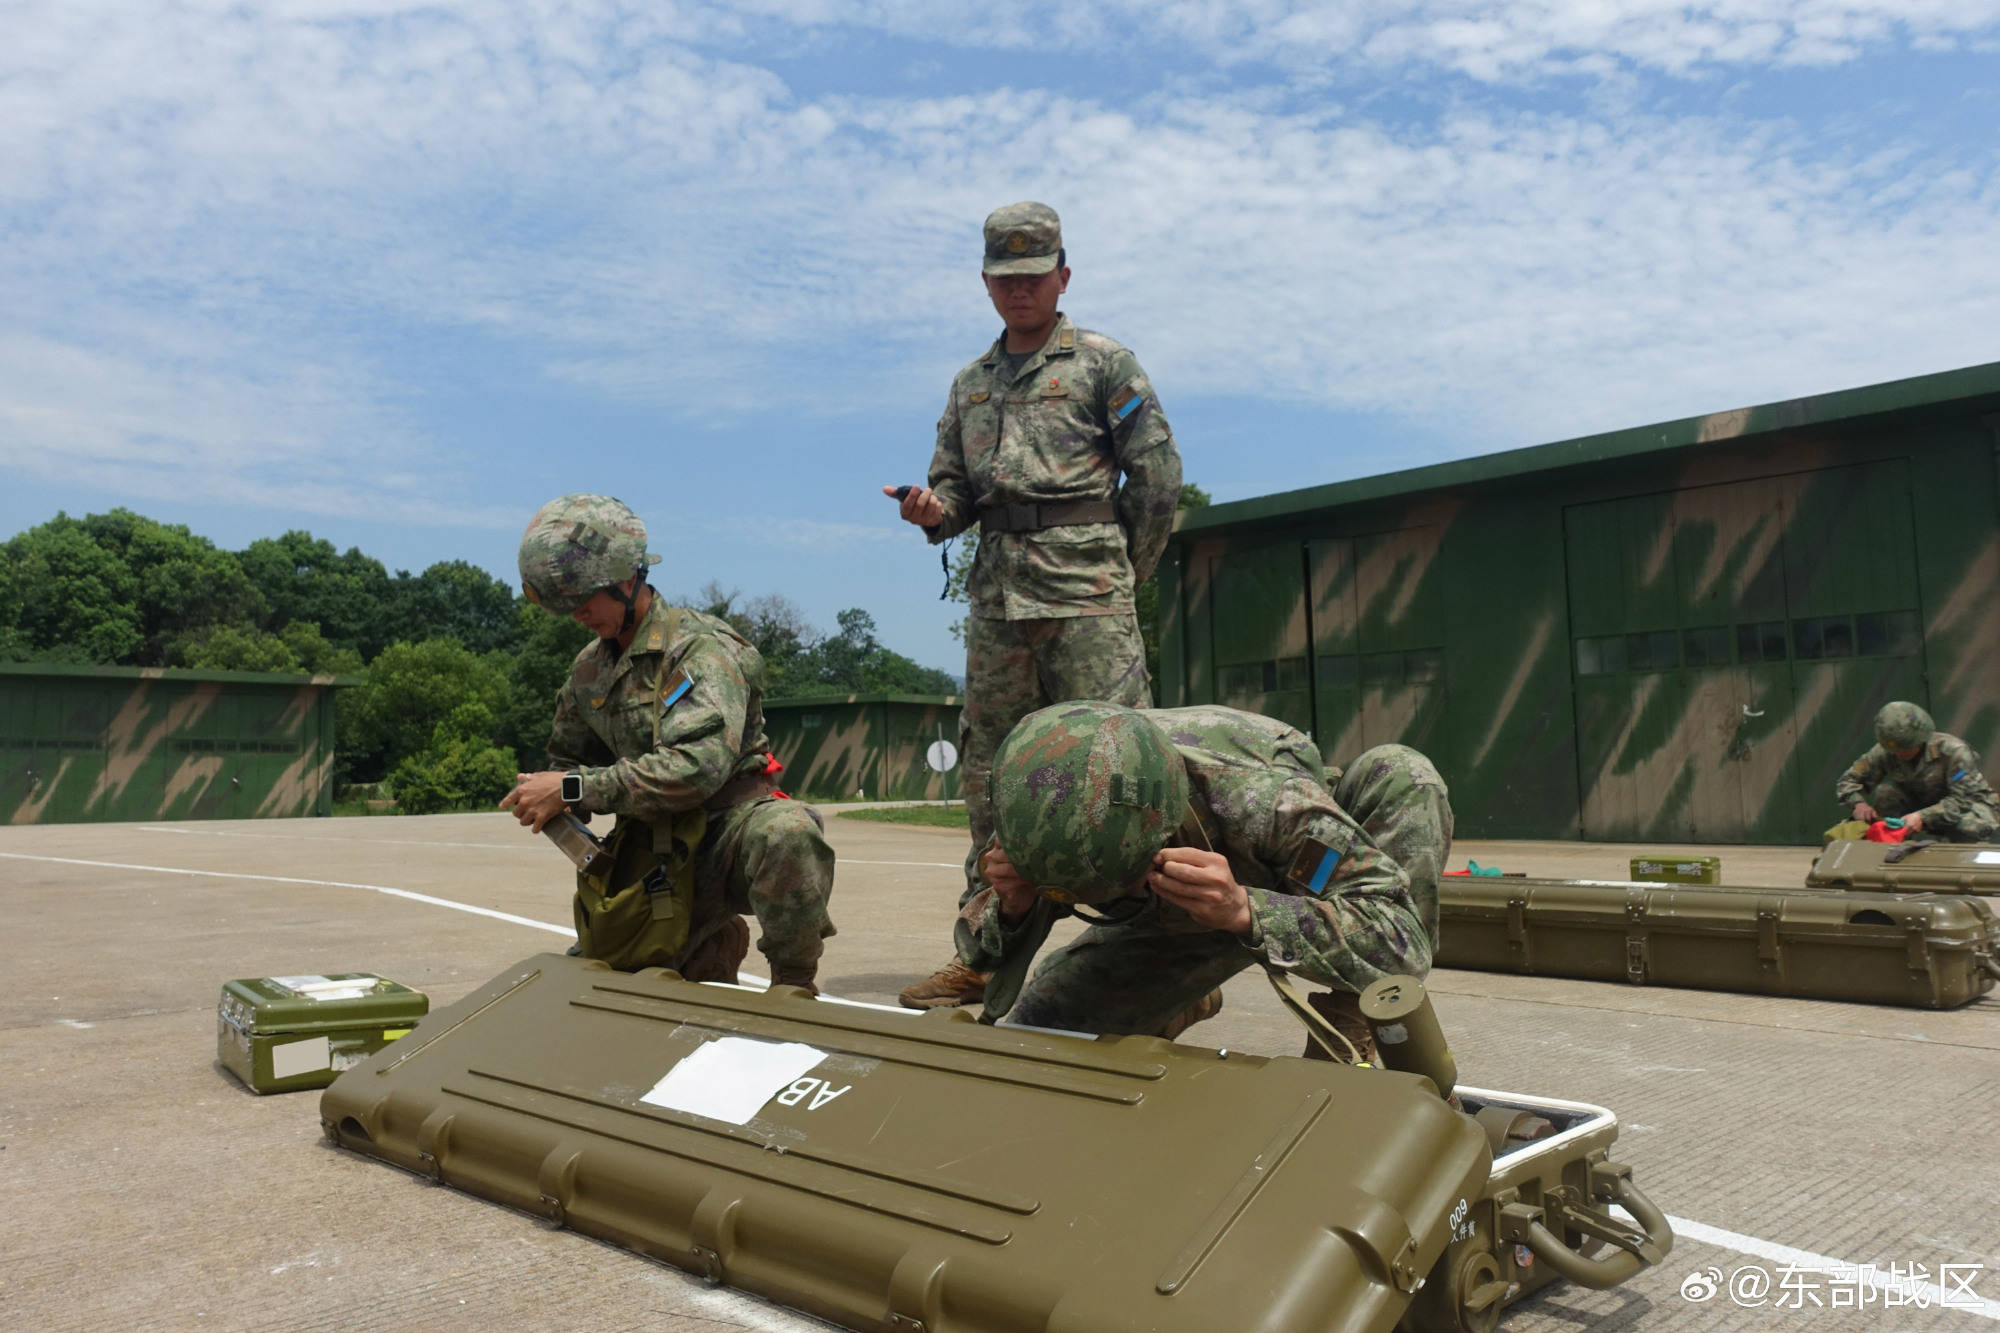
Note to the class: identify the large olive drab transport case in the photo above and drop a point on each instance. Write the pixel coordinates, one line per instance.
(1881, 948)
(1908, 867)
(908, 1172)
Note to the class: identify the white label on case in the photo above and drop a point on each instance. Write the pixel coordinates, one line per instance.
(731, 1078)
(301, 1057)
(1987, 858)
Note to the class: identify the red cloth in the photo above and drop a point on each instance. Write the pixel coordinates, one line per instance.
(1879, 831)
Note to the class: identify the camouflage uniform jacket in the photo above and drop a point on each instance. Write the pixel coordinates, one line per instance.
(1943, 781)
(659, 728)
(1258, 791)
(1080, 412)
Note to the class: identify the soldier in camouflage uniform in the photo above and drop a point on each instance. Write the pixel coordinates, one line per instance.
(1209, 839)
(661, 723)
(1927, 778)
(1030, 447)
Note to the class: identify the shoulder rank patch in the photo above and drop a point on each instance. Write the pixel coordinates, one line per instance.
(1125, 402)
(1312, 868)
(674, 686)
(1067, 339)
(979, 397)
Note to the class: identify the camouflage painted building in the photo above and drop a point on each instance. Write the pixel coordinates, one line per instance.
(121, 743)
(863, 746)
(1674, 633)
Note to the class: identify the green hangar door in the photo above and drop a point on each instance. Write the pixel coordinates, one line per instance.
(1342, 638)
(1731, 644)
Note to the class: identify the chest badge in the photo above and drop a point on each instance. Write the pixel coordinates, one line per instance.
(979, 397)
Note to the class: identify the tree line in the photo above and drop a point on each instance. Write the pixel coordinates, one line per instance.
(457, 671)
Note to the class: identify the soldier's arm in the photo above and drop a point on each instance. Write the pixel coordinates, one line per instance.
(1345, 916)
(1147, 455)
(1967, 793)
(948, 476)
(700, 741)
(1853, 784)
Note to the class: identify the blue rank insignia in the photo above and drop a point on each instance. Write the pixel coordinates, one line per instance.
(1312, 868)
(674, 686)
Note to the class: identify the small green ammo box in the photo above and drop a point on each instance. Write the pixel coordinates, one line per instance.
(285, 1034)
(1677, 869)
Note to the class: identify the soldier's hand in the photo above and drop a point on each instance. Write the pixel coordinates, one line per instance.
(536, 798)
(1913, 823)
(1016, 894)
(920, 505)
(1864, 812)
(1200, 883)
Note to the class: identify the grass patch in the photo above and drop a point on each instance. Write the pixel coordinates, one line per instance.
(935, 816)
(358, 807)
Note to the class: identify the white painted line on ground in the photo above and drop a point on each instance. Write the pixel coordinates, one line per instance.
(1930, 1292)
(857, 861)
(524, 845)
(316, 883)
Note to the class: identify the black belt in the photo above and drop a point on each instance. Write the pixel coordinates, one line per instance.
(1035, 517)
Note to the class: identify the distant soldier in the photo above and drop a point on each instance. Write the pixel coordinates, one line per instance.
(1030, 447)
(1205, 839)
(661, 723)
(1927, 778)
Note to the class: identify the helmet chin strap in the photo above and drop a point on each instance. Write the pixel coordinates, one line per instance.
(629, 599)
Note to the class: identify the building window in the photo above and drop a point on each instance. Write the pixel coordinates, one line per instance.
(1887, 634)
(1761, 643)
(1706, 647)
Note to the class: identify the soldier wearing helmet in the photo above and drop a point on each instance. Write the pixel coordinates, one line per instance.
(1928, 778)
(1035, 436)
(1198, 841)
(661, 724)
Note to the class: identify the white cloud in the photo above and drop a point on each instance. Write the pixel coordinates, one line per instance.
(211, 217)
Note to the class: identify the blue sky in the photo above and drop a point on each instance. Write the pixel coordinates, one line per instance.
(397, 273)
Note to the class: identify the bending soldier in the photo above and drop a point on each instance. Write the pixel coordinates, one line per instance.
(1030, 447)
(661, 723)
(1206, 839)
(1927, 778)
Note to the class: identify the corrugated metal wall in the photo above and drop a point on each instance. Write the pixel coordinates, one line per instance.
(1681, 643)
(110, 743)
(863, 747)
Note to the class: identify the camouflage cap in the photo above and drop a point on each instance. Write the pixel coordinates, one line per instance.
(577, 544)
(1902, 725)
(1083, 795)
(1022, 238)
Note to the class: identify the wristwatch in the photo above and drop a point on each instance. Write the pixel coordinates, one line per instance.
(572, 788)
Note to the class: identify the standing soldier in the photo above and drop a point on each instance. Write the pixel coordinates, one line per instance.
(1205, 839)
(661, 723)
(1927, 778)
(1030, 448)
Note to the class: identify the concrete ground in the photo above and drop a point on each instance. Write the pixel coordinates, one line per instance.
(145, 1188)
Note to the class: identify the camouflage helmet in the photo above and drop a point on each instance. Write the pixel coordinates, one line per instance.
(1083, 795)
(1902, 725)
(577, 544)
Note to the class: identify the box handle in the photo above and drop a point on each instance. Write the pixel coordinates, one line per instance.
(1636, 1249)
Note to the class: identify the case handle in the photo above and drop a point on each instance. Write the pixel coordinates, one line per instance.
(1636, 1249)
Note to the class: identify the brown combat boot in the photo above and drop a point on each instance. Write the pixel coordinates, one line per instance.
(954, 983)
(1342, 1009)
(717, 957)
(803, 975)
(1207, 1007)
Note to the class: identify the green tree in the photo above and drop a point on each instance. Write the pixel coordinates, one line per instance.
(405, 693)
(299, 647)
(77, 601)
(855, 662)
(182, 583)
(453, 600)
(535, 671)
(459, 768)
(304, 578)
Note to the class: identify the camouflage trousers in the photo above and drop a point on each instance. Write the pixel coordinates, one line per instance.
(768, 858)
(1892, 800)
(1012, 668)
(1133, 978)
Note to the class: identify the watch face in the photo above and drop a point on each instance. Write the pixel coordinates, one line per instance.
(572, 787)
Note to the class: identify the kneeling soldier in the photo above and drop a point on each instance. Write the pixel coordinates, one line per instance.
(1207, 839)
(1927, 778)
(661, 723)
